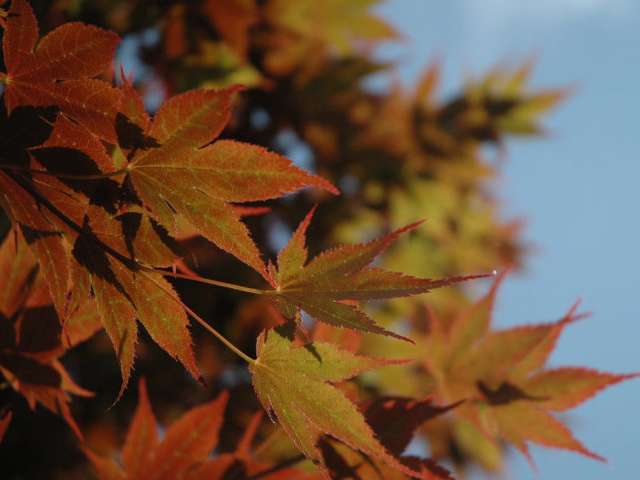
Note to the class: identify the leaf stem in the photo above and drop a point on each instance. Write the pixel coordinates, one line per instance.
(202, 322)
(217, 283)
(219, 336)
(68, 176)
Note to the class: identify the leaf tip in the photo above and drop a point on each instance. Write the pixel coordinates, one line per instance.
(398, 336)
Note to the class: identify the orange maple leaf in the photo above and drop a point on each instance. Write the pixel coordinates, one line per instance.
(60, 70)
(510, 394)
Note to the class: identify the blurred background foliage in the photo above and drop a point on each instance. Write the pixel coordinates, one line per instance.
(398, 154)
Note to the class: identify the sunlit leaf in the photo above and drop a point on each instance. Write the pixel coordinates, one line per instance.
(321, 286)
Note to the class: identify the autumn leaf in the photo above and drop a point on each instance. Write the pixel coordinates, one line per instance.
(567, 387)
(188, 178)
(339, 23)
(242, 462)
(322, 286)
(186, 443)
(99, 196)
(60, 71)
(487, 110)
(87, 253)
(233, 20)
(501, 373)
(44, 239)
(31, 336)
(294, 383)
(184, 449)
(124, 296)
(394, 421)
(307, 35)
(515, 109)
(92, 236)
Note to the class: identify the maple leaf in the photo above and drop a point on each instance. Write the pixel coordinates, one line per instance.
(233, 19)
(184, 449)
(186, 443)
(92, 239)
(60, 70)
(90, 254)
(31, 336)
(486, 111)
(336, 22)
(333, 25)
(307, 34)
(294, 382)
(86, 252)
(242, 462)
(502, 374)
(514, 109)
(32, 127)
(322, 286)
(124, 295)
(185, 177)
(394, 421)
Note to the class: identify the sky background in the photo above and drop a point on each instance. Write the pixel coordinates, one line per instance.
(577, 188)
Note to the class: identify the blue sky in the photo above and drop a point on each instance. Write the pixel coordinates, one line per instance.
(577, 188)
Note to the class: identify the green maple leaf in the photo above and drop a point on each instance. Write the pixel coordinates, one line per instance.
(295, 382)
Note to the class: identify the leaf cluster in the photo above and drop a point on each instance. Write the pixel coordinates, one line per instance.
(165, 199)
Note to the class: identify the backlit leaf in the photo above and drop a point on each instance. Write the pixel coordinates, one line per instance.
(321, 287)
(567, 387)
(187, 178)
(185, 444)
(189, 440)
(394, 421)
(31, 334)
(521, 422)
(501, 373)
(142, 437)
(44, 239)
(20, 35)
(60, 70)
(295, 384)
